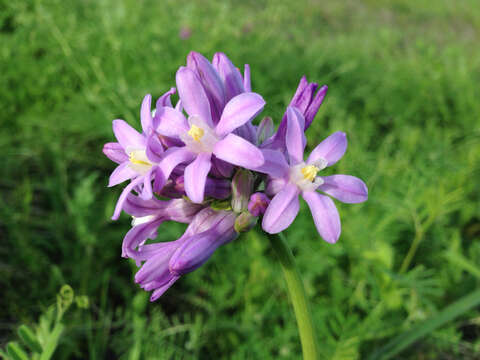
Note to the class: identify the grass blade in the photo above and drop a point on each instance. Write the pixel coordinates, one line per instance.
(402, 341)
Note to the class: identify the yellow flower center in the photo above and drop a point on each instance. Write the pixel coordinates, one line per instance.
(135, 160)
(309, 172)
(196, 133)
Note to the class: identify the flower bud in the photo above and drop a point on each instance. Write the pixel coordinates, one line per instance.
(115, 152)
(258, 204)
(198, 247)
(265, 129)
(244, 222)
(242, 186)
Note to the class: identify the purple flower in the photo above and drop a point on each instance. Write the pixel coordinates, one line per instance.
(138, 154)
(165, 262)
(201, 136)
(300, 177)
(307, 103)
(148, 215)
(222, 81)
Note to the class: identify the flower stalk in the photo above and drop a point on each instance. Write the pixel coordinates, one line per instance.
(298, 297)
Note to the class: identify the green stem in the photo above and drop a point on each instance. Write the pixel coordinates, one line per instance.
(411, 252)
(297, 296)
(420, 229)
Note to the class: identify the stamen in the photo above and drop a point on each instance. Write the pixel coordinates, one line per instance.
(309, 172)
(196, 132)
(134, 160)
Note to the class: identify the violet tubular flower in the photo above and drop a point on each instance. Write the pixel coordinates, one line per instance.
(148, 215)
(300, 177)
(202, 138)
(165, 262)
(307, 100)
(136, 153)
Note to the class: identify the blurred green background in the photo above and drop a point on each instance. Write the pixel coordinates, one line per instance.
(403, 81)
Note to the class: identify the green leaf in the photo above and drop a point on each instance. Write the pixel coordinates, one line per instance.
(29, 338)
(403, 341)
(16, 352)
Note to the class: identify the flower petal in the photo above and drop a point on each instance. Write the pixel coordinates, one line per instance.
(121, 173)
(178, 210)
(194, 252)
(147, 192)
(210, 80)
(229, 74)
(325, 215)
(136, 236)
(161, 290)
(170, 122)
(127, 136)
(154, 148)
(179, 106)
(295, 137)
(275, 164)
(306, 103)
(123, 196)
(312, 109)
(241, 109)
(302, 85)
(238, 151)
(164, 100)
(330, 149)
(346, 188)
(146, 113)
(297, 100)
(221, 168)
(275, 185)
(303, 99)
(193, 96)
(138, 207)
(246, 78)
(282, 210)
(198, 248)
(156, 267)
(196, 176)
(114, 151)
(147, 251)
(173, 157)
(248, 132)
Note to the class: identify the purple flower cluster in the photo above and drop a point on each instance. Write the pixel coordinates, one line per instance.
(204, 163)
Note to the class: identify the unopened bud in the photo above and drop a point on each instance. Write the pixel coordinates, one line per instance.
(258, 204)
(242, 185)
(265, 129)
(244, 222)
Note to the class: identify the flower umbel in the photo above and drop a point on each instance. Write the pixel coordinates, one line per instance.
(204, 163)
